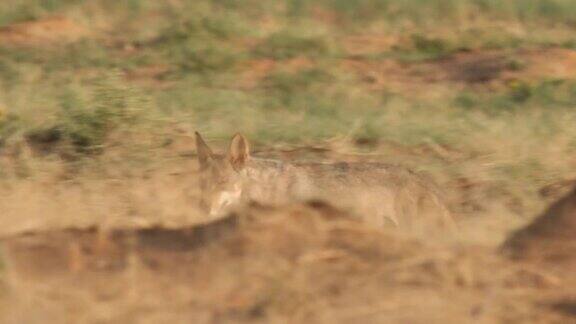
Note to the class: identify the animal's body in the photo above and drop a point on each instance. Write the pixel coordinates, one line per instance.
(380, 193)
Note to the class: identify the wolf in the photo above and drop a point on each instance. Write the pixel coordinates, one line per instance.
(379, 193)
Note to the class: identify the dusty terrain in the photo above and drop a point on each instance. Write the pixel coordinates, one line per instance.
(99, 216)
(101, 254)
(302, 263)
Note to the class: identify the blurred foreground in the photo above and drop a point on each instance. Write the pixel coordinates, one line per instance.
(302, 263)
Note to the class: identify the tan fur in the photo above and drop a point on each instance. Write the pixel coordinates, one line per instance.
(382, 194)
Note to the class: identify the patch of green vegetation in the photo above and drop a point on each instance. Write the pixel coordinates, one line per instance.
(203, 57)
(201, 28)
(88, 124)
(434, 46)
(423, 48)
(80, 55)
(201, 44)
(9, 73)
(284, 88)
(437, 12)
(21, 10)
(10, 124)
(289, 44)
(426, 47)
(515, 64)
(84, 54)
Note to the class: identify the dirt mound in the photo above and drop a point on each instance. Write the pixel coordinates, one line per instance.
(47, 31)
(286, 232)
(40, 255)
(551, 237)
(305, 263)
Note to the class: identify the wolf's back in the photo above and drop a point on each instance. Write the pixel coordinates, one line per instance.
(380, 192)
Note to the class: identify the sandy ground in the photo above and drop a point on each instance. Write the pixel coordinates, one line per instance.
(303, 263)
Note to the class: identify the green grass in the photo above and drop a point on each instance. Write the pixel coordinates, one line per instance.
(287, 44)
(203, 44)
(440, 11)
(553, 95)
(514, 136)
(22, 10)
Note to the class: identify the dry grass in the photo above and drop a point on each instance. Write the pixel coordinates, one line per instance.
(133, 249)
(96, 167)
(302, 263)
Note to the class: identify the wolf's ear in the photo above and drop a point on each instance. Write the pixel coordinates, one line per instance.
(205, 155)
(239, 152)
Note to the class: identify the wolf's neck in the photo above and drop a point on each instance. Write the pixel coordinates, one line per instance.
(268, 180)
(265, 169)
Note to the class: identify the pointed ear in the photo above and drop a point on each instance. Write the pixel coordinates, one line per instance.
(239, 152)
(205, 155)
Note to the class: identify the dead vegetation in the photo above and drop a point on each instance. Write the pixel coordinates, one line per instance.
(305, 263)
(98, 196)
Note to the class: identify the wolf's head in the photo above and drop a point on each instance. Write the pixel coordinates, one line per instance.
(220, 178)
